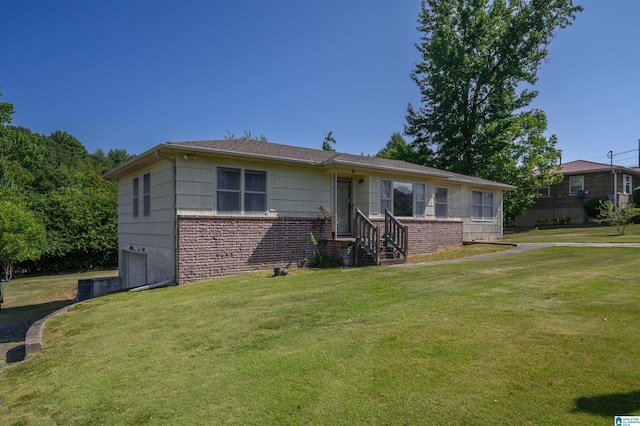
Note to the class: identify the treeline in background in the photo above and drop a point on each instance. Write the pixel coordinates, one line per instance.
(54, 181)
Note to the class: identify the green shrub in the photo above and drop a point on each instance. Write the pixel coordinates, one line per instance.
(592, 207)
(320, 260)
(636, 196)
(619, 218)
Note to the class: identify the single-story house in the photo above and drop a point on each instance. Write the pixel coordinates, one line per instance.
(189, 211)
(583, 181)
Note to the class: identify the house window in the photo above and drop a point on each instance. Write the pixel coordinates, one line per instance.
(146, 194)
(442, 203)
(385, 195)
(401, 198)
(482, 205)
(544, 191)
(576, 184)
(420, 201)
(136, 197)
(241, 191)
(626, 184)
(255, 191)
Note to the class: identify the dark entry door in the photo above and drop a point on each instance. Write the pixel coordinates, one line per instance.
(344, 207)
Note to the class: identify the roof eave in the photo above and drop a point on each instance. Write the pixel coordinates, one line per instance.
(168, 148)
(150, 156)
(332, 162)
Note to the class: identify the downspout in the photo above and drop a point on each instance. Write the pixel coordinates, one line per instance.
(175, 211)
(160, 284)
(615, 190)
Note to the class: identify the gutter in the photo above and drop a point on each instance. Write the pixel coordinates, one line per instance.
(331, 162)
(212, 151)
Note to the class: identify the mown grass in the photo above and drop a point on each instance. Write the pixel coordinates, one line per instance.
(26, 300)
(459, 252)
(545, 337)
(30, 291)
(576, 234)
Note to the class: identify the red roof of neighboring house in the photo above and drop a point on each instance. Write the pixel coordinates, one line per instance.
(590, 166)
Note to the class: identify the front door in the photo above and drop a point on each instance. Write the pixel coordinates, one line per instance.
(344, 207)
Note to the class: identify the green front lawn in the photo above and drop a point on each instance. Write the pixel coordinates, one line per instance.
(27, 300)
(544, 337)
(574, 234)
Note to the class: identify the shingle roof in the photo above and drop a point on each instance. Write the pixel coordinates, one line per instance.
(579, 166)
(278, 152)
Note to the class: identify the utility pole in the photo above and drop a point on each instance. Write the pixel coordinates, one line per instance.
(614, 182)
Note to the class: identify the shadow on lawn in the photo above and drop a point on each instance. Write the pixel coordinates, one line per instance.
(15, 322)
(615, 404)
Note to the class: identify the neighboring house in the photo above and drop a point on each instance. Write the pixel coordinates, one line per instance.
(583, 181)
(189, 211)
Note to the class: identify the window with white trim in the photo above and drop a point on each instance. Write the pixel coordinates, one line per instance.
(136, 197)
(385, 196)
(442, 203)
(403, 199)
(576, 184)
(146, 194)
(627, 186)
(482, 205)
(241, 191)
(544, 191)
(420, 199)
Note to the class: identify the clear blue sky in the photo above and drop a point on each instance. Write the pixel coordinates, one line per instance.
(131, 73)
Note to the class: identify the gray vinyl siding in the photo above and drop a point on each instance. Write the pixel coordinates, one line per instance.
(152, 235)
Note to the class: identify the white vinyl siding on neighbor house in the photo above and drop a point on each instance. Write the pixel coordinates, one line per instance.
(442, 203)
(576, 184)
(482, 205)
(241, 191)
(627, 187)
(403, 199)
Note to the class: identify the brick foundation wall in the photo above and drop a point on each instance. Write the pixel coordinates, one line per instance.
(428, 235)
(214, 246)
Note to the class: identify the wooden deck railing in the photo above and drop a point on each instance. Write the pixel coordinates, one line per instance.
(367, 237)
(395, 233)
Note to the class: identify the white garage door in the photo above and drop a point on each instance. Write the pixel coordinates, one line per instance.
(135, 269)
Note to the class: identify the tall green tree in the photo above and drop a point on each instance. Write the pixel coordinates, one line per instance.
(6, 111)
(397, 148)
(105, 162)
(54, 179)
(328, 140)
(21, 236)
(479, 62)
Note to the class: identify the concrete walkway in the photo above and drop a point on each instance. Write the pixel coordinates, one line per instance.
(519, 248)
